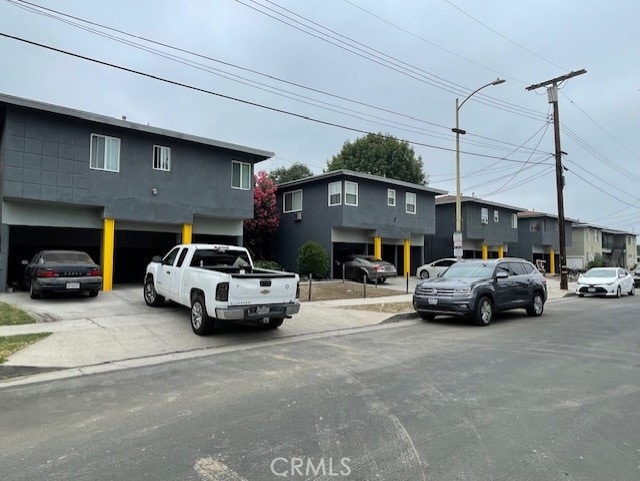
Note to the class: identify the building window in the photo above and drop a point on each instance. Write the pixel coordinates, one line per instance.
(411, 203)
(391, 197)
(514, 221)
(484, 215)
(350, 193)
(496, 216)
(335, 193)
(241, 175)
(534, 225)
(105, 153)
(161, 158)
(292, 201)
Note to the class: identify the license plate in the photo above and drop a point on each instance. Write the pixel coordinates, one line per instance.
(73, 285)
(432, 301)
(591, 289)
(262, 310)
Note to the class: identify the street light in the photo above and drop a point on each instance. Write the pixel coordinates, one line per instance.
(457, 236)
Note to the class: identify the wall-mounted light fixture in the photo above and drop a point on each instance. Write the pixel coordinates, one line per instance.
(154, 191)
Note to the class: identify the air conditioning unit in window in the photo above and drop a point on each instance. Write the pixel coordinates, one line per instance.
(297, 216)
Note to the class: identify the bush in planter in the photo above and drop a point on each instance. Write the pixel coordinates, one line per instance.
(313, 259)
(596, 262)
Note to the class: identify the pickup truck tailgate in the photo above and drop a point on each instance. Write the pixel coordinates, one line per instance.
(257, 289)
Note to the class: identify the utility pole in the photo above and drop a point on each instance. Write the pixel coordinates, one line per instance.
(552, 93)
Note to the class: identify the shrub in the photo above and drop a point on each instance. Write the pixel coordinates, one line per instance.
(596, 262)
(313, 259)
(268, 265)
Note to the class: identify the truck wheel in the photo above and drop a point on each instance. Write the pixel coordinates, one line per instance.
(484, 312)
(200, 320)
(151, 297)
(275, 322)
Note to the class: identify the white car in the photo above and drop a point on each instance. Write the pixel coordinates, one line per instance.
(434, 268)
(605, 281)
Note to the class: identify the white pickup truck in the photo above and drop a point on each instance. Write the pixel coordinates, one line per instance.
(220, 282)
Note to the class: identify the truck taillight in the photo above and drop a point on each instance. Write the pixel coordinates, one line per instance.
(45, 273)
(95, 272)
(298, 290)
(222, 292)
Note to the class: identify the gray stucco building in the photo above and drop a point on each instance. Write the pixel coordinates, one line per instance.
(488, 228)
(539, 239)
(119, 190)
(350, 212)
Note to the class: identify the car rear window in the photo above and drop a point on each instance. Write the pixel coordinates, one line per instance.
(66, 257)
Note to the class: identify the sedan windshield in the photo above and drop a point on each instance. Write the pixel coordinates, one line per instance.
(469, 270)
(601, 273)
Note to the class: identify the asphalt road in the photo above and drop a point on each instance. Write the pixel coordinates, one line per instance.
(549, 398)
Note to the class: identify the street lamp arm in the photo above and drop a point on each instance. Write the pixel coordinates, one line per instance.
(495, 82)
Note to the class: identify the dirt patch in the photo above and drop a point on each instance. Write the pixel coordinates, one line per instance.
(331, 290)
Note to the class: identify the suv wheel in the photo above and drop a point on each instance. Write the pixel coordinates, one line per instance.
(484, 312)
(537, 305)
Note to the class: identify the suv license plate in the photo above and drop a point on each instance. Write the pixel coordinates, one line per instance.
(591, 289)
(262, 310)
(73, 285)
(432, 301)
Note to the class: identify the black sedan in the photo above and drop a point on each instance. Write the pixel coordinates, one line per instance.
(369, 268)
(62, 271)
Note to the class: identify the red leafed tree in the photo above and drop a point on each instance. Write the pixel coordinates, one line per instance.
(259, 230)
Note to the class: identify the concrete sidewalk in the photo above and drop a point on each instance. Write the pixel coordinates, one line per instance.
(118, 327)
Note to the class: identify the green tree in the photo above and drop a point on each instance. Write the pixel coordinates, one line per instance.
(381, 155)
(287, 174)
(313, 259)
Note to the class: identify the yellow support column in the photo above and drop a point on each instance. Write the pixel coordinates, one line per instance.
(501, 252)
(108, 243)
(407, 256)
(377, 247)
(187, 233)
(552, 262)
(485, 252)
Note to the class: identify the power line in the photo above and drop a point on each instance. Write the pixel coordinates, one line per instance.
(433, 44)
(235, 99)
(54, 14)
(503, 36)
(383, 59)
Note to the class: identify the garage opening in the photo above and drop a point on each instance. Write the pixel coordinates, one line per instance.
(27, 241)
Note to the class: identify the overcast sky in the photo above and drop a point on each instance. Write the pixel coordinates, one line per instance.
(356, 66)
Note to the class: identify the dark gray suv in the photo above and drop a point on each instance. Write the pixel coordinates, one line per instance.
(476, 289)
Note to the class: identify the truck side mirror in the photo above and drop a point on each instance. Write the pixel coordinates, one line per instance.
(156, 259)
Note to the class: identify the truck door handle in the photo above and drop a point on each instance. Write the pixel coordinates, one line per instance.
(168, 273)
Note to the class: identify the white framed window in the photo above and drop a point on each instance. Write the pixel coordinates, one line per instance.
(391, 197)
(410, 203)
(292, 201)
(484, 215)
(161, 158)
(240, 175)
(496, 216)
(105, 153)
(335, 193)
(350, 193)
(514, 221)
